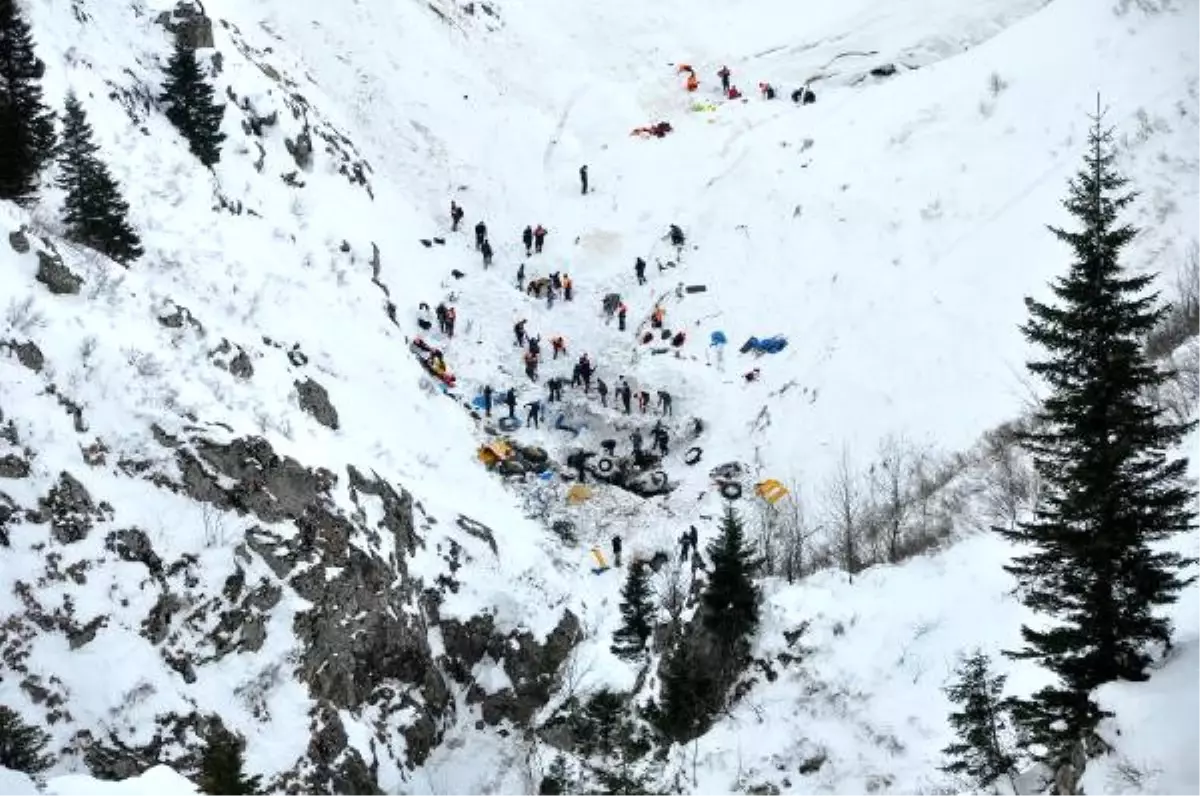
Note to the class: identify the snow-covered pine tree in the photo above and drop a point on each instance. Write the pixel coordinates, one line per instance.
(731, 599)
(94, 211)
(982, 753)
(222, 766)
(26, 124)
(22, 746)
(191, 104)
(637, 613)
(1111, 489)
(692, 692)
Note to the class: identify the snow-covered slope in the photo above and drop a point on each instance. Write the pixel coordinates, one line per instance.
(890, 230)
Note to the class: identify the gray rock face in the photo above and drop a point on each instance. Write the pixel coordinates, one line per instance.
(132, 544)
(13, 466)
(19, 241)
(314, 399)
(71, 510)
(176, 315)
(189, 24)
(532, 667)
(28, 354)
(57, 278)
(224, 357)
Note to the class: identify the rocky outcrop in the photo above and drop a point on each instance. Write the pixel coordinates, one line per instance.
(72, 512)
(27, 353)
(132, 544)
(189, 24)
(233, 358)
(175, 316)
(57, 278)
(19, 241)
(314, 399)
(531, 667)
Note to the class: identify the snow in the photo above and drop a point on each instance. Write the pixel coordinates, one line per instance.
(156, 781)
(890, 231)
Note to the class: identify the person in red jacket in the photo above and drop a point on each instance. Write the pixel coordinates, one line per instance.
(539, 238)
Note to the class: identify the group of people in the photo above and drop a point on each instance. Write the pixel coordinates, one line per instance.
(801, 96)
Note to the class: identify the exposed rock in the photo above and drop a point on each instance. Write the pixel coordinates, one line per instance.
(95, 454)
(13, 466)
(158, 622)
(238, 364)
(397, 508)
(79, 636)
(28, 354)
(19, 241)
(531, 667)
(132, 544)
(57, 278)
(176, 316)
(8, 511)
(301, 149)
(189, 24)
(297, 357)
(71, 509)
(337, 767)
(314, 399)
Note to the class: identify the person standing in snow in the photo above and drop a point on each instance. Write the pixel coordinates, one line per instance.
(677, 237)
(639, 268)
(521, 277)
(625, 393)
(621, 311)
(519, 332)
(535, 345)
(568, 288)
(583, 178)
(486, 249)
(539, 238)
(535, 413)
(602, 388)
(660, 438)
(456, 216)
(480, 235)
(531, 363)
(487, 400)
(664, 402)
(616, 547)
(555, 386)
(724, 74)
(510, 400)
(585, 373)
(527, 239)
(635, 439)
(643, 400)
(451, 318)
(558, 345)
(441, 317)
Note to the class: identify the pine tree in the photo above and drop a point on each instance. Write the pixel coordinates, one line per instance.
(982, 752)
(1101, 448)
(26, 125)
(731, 599)
(692, 691)
(221, 766)
(22, 746)
(637, 612)
(191, 106)
(94, 211)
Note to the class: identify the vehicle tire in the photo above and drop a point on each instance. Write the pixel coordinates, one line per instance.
(657, 479)
(731, 490)
(692, 456)
(605, 466)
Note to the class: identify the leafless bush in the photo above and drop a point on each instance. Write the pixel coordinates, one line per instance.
(996, 84)
(1181, 321)
(23, 317)
(105, 281)
(671, 588)
(1010, 482)
(844, 506)
(145, 363)
(87, 349)
(215, 529)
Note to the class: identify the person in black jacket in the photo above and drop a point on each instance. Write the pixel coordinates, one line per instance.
(456, 216)
(527, 239)
(583, 178)
(480, 234)
(639, 268)
(535, 413)
(510, 399)
(486, 248)
(616, 547)
(487, 400)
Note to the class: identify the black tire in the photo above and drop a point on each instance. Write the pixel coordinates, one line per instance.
(534, 454)
(657, 479)
(731, 490)
(605, 465)
(692, 456)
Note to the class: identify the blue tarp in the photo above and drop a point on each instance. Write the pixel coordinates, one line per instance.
(718, 338)
(769, 345)
(477, 402)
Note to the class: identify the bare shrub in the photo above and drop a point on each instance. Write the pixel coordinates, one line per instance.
(215, 529)
(1010, 482)
(1181, 321)
(23, 316)
(996, 84)
(145, 363)
(844, 506)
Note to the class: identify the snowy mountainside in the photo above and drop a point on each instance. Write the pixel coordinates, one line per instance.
(228, 486)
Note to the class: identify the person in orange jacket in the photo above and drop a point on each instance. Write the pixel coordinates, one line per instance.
(558, 345)
(656, 317)
(568, 288)
(692, 82)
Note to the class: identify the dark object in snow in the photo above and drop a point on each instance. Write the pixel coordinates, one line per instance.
(457, 274)
(427, 243)
(695, 288)
(886, 70)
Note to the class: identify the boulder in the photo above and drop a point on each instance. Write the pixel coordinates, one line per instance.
(189, 24)
(132, 544)
(19, 241)
(71, 509)
(27, 353)
(57, 278)
(314, 399)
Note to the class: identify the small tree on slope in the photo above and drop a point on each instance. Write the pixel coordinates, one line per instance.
(22, 746)
(26, 124)
(1111, 493)
(222, 764)
(190, 104)
(982, 752)
(731, 599)
(94, 211)
(637, 612)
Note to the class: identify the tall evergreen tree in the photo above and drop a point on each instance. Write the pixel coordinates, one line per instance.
(1102, 449)
(692, 692)
(637, 612)
(983, 752)
(94, 211)
(22, 746)
(191, 104)
(222, 766)
(731, 599)
(26, 124)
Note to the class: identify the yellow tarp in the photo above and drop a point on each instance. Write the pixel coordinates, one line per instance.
(599, 558)
(495, 451)
(703, 106)
(771, 491)
(578, 493)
